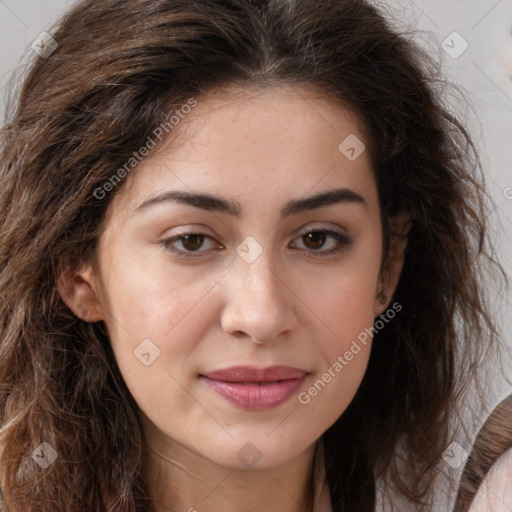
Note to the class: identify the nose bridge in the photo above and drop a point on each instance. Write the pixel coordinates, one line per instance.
(258, 302)
(257, 277)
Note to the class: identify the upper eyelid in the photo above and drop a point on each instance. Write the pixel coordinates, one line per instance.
(296, 233)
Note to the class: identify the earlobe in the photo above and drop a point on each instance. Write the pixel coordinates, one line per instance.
(77, 289)
(392, 268)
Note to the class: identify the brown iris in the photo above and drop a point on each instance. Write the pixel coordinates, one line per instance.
(317, 238)
(192, 242)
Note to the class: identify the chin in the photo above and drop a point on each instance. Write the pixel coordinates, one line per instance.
(256, 454)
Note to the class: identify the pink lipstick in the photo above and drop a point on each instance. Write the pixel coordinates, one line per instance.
(256, 389)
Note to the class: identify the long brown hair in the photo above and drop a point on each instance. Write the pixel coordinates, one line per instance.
(120, 68)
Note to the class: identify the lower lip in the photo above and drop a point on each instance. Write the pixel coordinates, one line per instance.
(256, 397)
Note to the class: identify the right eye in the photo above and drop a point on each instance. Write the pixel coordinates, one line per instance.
(190, 242)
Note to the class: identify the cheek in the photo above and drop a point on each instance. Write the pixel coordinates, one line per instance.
(346, 350)
(347, 308)
(346, 304)
(149, 302)
(346, 301)
(156, 318)
(350, 309)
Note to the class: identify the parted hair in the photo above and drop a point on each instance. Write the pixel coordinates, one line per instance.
(120, 68)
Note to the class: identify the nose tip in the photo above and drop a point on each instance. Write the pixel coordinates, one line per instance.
(259, 304)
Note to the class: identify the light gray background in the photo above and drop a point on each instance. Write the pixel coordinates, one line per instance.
(484, 71)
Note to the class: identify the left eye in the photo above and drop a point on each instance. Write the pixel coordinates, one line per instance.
(313, 240)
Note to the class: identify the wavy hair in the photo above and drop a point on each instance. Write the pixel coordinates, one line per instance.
(120, 67)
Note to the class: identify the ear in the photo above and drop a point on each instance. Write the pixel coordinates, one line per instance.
(78, 290)
(392, 267)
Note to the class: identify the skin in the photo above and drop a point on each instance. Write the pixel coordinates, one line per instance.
(291, 306)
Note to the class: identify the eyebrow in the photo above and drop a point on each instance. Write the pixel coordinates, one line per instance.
(218, 204)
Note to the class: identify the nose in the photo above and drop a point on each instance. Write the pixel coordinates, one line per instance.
(260, 303)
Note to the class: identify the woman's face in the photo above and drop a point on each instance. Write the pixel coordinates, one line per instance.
(249, 180)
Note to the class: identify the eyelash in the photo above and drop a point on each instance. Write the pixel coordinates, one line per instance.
(343, 242)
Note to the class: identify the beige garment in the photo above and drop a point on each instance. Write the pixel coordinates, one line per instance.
(322, 500)
(495, 492)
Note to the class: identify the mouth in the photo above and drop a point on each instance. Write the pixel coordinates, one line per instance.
(255, 389)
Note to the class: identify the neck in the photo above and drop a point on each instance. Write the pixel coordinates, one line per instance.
(185, 481)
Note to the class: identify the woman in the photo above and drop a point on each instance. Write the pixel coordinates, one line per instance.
(241, 262)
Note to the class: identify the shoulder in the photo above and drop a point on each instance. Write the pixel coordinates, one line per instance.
(495, 491)
(486, 482)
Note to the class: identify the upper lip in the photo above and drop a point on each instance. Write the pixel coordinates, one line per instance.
(254, 374)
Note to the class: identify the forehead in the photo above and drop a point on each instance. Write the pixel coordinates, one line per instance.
(277, 116)
(257, 140)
